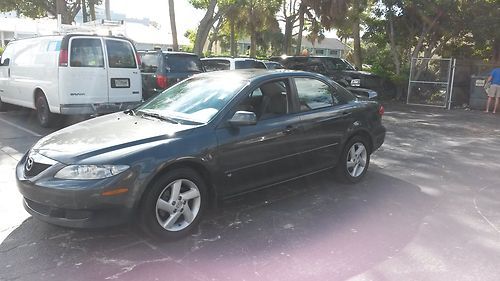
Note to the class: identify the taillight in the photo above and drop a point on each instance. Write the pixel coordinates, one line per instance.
(381, 110)
(161, 81)
(138, 57)
(63, 58)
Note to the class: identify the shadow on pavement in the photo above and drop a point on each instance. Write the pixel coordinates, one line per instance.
(312, 228)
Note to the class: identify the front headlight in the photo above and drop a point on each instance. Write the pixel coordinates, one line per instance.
(355, 82)
(89, 172)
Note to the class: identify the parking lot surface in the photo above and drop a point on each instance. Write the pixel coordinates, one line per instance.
(428, 209)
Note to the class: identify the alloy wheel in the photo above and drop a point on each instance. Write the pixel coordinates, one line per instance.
(178, 205)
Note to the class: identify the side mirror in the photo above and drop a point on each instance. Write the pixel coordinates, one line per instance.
(372, 95)
(243, 118)
(6, 62)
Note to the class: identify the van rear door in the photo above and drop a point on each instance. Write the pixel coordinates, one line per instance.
(124, 79)
(84, 79)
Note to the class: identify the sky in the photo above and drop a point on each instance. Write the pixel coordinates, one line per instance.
(187, 17)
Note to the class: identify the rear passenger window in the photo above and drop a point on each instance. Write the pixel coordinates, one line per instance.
(314, 94)
(246, 64)
(120, 54)
(183, 63)
(216, 65)
(86, 52)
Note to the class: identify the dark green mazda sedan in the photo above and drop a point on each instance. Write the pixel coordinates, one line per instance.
(208, 138)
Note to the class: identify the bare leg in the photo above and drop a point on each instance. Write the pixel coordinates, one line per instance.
(496, 104)
(488, 104)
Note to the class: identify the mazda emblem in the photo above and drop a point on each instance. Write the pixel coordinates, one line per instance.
(29, 164)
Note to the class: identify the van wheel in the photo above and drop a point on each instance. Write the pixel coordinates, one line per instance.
(354, 160)
(174, 204)
(3, 106)
(45, 117)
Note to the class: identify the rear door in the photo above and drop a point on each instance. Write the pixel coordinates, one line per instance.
(84, 80)
(181, 66)
(124, 79)
(325, 116)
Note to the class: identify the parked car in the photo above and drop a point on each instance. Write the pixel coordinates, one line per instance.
(162, 69)
(342, 72)
(213, 136)
(71, 74)
(273, 65)
(221, 63)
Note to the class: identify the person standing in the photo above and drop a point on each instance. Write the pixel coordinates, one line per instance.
(494, 90)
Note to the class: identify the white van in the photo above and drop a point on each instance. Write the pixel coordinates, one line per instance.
(70, 74)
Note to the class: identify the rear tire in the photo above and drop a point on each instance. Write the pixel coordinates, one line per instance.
(45, 118)
(3, 106)
(354, 161)
(165, 217)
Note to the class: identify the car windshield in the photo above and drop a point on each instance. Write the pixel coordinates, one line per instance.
(338, 64)
(197, 99)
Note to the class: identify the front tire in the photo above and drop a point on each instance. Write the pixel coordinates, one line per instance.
(3, 106)
(44, 116)
(354, 160)
(174, 204)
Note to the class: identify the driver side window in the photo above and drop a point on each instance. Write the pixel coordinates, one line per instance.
(267, 101)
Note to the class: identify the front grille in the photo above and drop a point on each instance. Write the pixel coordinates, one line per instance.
(36, 169)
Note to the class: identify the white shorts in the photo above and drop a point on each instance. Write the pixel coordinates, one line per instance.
(493, 91)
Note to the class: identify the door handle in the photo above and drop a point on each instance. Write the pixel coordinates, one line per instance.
(346, 113)
(8, 72)
(289, 130)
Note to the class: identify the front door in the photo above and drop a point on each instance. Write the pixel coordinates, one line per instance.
(262, 154)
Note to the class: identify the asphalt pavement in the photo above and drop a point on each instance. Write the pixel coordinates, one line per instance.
(428, 209)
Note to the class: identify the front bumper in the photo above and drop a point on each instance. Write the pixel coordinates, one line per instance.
(76, 203)
(378, 137)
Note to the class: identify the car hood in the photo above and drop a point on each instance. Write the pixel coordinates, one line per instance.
(106, 134)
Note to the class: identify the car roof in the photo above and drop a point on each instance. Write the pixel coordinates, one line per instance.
(254, 74)
(165, 52)
(229, 58)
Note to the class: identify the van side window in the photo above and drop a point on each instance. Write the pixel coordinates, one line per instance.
(86, 52)
(7, 54)
(120, 54)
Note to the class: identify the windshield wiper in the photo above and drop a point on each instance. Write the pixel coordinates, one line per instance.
(158, 116)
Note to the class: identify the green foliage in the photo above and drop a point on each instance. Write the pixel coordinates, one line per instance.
(1, 51)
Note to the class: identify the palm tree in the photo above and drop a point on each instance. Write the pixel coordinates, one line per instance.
(107, 9)
(171, 11)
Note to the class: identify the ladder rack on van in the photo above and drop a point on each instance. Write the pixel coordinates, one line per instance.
(101, 27)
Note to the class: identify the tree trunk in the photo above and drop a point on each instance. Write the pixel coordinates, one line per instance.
(107, 9)
(301, 30)
(84, 11)
(357, 44)
(171, 11)
(62, 9)
(395, 56)
(204, 28)
(496, 50)
(287, 42)
(231, 39)
(92, 9)
(253, 44)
